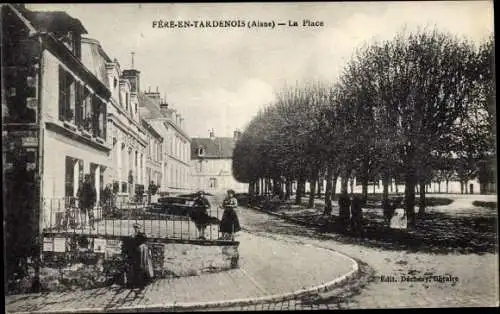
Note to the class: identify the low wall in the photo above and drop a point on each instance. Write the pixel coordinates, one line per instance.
(99, 264)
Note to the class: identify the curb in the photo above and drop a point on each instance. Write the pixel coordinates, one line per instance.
(221, 304)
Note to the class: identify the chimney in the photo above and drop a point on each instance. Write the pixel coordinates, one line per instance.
(155, 96)
(212, 135)
(133, 76)
(164, 108)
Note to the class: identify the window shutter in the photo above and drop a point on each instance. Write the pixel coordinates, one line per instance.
(80, 169)
(79, 104)
(69, 176)
(62, 93)
(103, 121)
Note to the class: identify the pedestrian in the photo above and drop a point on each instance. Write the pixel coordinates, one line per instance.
(388, 210)
(229, 224)
(199, 213)
(356, 214)
(344, 206)
(139, 263)
(86, 200)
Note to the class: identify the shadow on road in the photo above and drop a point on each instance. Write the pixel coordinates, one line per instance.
(435, 232)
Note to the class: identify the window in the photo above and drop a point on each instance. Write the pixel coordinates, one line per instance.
(115, 82)
(126, 101)
(73, 175)
(97, 117)
(201, 151)
(213, 183)
(68, 39)
(79, 103)
(66, 96)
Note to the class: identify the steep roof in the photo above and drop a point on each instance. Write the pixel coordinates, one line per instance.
(219, 147)
(55, 21)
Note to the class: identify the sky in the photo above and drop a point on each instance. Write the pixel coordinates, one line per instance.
(218, 78)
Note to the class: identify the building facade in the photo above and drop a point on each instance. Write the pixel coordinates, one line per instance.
(175, 169)
(211, 161)
(68, 105)
(156, 155)
(127, 137)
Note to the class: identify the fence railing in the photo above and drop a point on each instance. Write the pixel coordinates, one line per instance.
(117, 219)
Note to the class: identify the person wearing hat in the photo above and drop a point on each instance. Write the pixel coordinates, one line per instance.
(229, 224)
(87, 199)
(139, 266)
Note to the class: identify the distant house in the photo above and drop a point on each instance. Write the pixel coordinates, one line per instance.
(211, 161)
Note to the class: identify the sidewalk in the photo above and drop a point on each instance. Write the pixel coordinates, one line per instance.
(270, 270)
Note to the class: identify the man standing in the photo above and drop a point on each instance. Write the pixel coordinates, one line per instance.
(86, 200)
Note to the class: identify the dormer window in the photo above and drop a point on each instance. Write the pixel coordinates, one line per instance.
(71, 41)
(201, 151)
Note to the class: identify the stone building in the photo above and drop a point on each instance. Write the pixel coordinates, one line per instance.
(211, 161)
(66, 104)
(127, 137)
(176, 154)
(155, 162)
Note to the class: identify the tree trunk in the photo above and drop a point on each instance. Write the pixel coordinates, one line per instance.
(461, 187)
(334, 184)
(364, 180)
(447, 181)
(421, 208)
(300, 188)
(320, 187)
(343, 184)
(312, 191)
(439, 186)
(351, 183)
(344, 213)
(410, 196)
(385, 192)
(328, 191)
(396, 187)
(288, 189)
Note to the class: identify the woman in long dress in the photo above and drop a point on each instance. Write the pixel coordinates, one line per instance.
(139, 269)
(230, 223)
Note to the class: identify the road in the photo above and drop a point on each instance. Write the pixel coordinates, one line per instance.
(473, 278)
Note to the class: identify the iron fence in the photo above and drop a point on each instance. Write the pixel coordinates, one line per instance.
(117, 219)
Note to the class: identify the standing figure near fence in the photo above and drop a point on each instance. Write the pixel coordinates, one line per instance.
(229, 223)
(139, 262)
(86, 201)
(199, 213)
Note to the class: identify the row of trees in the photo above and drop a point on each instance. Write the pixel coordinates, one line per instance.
(415, 108)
